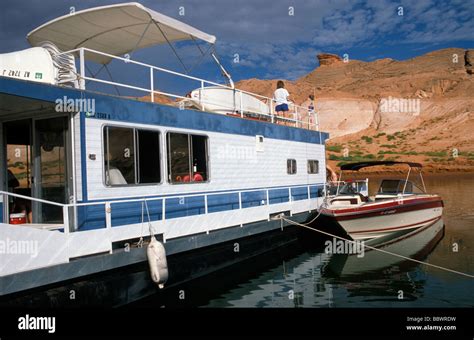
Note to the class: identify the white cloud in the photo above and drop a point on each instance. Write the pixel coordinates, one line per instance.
(267, 38)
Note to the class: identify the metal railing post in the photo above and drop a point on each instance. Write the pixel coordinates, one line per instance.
(240, 200)
(108, 215)
(152, 86)
(272, 110)
(241, 105)
(82, 65)
(163, 209)
(66, 219)
(200, 95)
(6, 216)
(297, 116)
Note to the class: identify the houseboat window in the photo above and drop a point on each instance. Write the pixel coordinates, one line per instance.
(313, 166)
(131, 156)
(187, 158)
(291, 166)
(148, 156)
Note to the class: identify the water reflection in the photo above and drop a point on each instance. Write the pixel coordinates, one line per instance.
(312, 278)
(318, 279)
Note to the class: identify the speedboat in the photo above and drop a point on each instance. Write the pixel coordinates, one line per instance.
(398, 205)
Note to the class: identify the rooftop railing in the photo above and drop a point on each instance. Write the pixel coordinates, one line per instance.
(297, 116)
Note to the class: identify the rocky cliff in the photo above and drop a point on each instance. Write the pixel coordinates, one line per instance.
(421, 109)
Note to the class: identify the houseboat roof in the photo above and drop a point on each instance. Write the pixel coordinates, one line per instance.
(114, 29)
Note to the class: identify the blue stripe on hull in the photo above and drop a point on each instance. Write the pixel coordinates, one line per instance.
(298, 194)
(131, 212)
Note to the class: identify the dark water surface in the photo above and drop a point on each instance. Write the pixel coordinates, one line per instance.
(308, 277)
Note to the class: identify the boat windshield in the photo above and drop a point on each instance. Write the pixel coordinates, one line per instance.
(346, 188)
(397, 186)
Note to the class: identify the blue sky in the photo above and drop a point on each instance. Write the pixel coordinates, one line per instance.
(270, 42)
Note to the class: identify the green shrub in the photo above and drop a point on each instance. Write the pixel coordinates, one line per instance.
(334, 148)
(436, 153)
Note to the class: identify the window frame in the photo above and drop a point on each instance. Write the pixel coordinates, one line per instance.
(136, 155)
(317, 166)
(190, 144)
(296, 166)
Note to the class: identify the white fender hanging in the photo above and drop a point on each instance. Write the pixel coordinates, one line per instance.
(157, 260)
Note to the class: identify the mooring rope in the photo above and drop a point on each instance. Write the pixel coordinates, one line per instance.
(305, 225)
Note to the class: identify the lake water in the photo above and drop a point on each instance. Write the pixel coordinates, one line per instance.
(308, 277)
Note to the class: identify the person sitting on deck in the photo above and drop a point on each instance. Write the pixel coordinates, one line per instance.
(281, 98)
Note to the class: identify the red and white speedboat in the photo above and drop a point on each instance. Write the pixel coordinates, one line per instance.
(398, 205)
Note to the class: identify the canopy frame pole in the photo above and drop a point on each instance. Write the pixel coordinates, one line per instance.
(406, 181)
(141, 38)
(201, 58)
(104, 66)
(111, 78)
(92, 73)
(169, 43)
(199, 47)
(423, 182)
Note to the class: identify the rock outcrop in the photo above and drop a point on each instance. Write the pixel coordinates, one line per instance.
(327, 59)
(469, 61)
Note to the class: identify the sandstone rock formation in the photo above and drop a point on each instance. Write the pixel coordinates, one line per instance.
(349, 97)
(327, 59)
(469, 61)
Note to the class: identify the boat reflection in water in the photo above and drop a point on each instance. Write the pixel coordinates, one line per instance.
(336, 280)
(415, 244)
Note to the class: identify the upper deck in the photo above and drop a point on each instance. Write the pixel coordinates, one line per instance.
(91, 49)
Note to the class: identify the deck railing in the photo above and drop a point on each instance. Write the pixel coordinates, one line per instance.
(70, 209)
(299, 116)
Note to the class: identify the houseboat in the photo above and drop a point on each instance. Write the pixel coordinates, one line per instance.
(89, 177)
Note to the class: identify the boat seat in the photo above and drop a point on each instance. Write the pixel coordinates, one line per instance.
(115, 177)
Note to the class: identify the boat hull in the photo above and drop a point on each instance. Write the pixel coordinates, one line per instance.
(383, 218)
(415, 244)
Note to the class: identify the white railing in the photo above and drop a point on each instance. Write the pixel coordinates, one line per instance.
(300, 116)
(70, 221)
